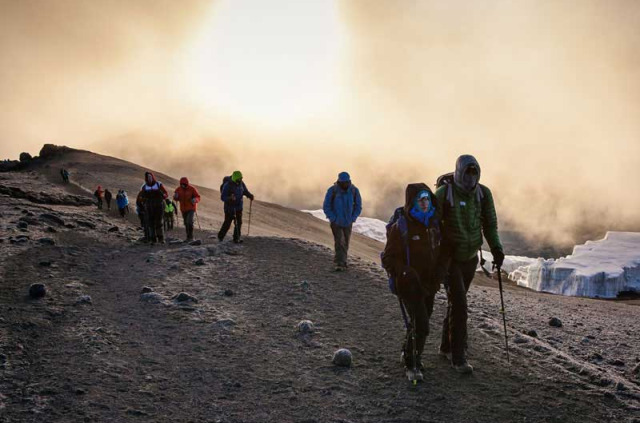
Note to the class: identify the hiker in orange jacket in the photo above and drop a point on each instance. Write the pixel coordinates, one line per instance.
(188, 197)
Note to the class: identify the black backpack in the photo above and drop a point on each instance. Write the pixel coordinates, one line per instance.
(224, 181)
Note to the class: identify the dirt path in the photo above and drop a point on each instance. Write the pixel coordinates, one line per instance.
(235, 354)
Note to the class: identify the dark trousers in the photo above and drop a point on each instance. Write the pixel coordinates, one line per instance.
(454, 326)
(154, 211)
(341, 236)
(228, 218)
(419, 313)
(168, 221)
(108, 200)
(187, 218)
(99, 203)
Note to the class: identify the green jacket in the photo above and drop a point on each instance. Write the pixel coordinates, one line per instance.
(464, 224)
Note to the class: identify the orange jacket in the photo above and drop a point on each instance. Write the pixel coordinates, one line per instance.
(186, 195)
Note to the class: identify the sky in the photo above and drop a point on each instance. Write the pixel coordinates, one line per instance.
(545, 94)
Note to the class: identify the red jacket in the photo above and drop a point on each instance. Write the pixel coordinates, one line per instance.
(186, 195)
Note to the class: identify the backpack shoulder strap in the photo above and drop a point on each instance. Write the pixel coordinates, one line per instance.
(403, 227)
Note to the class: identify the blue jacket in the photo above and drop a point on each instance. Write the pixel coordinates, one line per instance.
(122, 201)
(239, 190)
(342, 207)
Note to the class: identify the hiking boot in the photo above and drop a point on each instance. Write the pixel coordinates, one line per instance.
(414, 375)
(238, 240)
(463, 368)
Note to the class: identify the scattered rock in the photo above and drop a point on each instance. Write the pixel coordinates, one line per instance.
(224, 324)
(616, 362)
(52, 218)
(199, 262)
(342, 358)
(196, 242)
(532, 333)
(183, 297)
(555, 322)
(86, 224)
(304, 285)
(636, 370)
(596, 357)
(80, 391)
(228, 293)
(84, 299)
(620, 386)
(305, 326)
(146, 289)
(70, 226)
(175, 241)
(23, 225)
(19, 239)
(37, 290)
(47, 241)
(520, 340)
(113, 229)
(174, 267)
(45, 263)
(152, 298)
(51, 230)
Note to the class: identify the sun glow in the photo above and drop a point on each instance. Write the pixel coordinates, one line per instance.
(272, 63)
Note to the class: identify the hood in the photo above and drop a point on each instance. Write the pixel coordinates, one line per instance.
(344, 177)
(153, 178)
(184, 181)
(99, 188)
(462, 164)
(412, 191)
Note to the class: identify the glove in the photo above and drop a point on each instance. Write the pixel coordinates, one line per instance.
(194, 200)
(498, 257)
(251, 197)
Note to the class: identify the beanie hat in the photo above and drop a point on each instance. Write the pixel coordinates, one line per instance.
(236, 176)
(344, 177)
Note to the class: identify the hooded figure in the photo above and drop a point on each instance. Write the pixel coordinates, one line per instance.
(188, 197)
(467, 214)
(152, 196)
(99, 194)
(410, 258)
(122, 201)
(233, 191)
(108, 196)
(342, 205)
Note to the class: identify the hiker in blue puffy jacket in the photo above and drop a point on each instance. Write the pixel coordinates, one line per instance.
(232, 192)
(342, 206)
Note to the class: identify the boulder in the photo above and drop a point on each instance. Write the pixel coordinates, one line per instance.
(37, 290)
(342, 358)
(555, 322)
(83, 299)
(152, 298)
(306, 326)
(196, 242)
(200, 262)
(47, 241)
(184, 297)
(25, 157)
(146, 289)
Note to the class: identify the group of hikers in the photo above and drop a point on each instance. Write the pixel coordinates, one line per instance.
(157, 211)
(432, 240)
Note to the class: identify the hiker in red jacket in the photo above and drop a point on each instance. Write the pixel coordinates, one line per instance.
(99, 194)
(188, 197)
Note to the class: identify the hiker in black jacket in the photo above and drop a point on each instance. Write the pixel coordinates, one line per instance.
(410, 258)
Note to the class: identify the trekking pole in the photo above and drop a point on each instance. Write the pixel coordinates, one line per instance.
(198, 220)
(504, 316)
(249, 230)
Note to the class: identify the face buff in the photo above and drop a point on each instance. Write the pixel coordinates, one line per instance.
(470, 178)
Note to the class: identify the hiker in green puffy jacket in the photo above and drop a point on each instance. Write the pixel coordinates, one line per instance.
(467, 212)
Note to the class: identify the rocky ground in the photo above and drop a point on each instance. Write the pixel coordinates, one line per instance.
(208, 332)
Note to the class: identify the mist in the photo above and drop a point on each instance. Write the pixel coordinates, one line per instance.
(545, 94)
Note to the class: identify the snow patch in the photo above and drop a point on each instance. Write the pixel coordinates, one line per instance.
(367, 226)
(602, 268)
